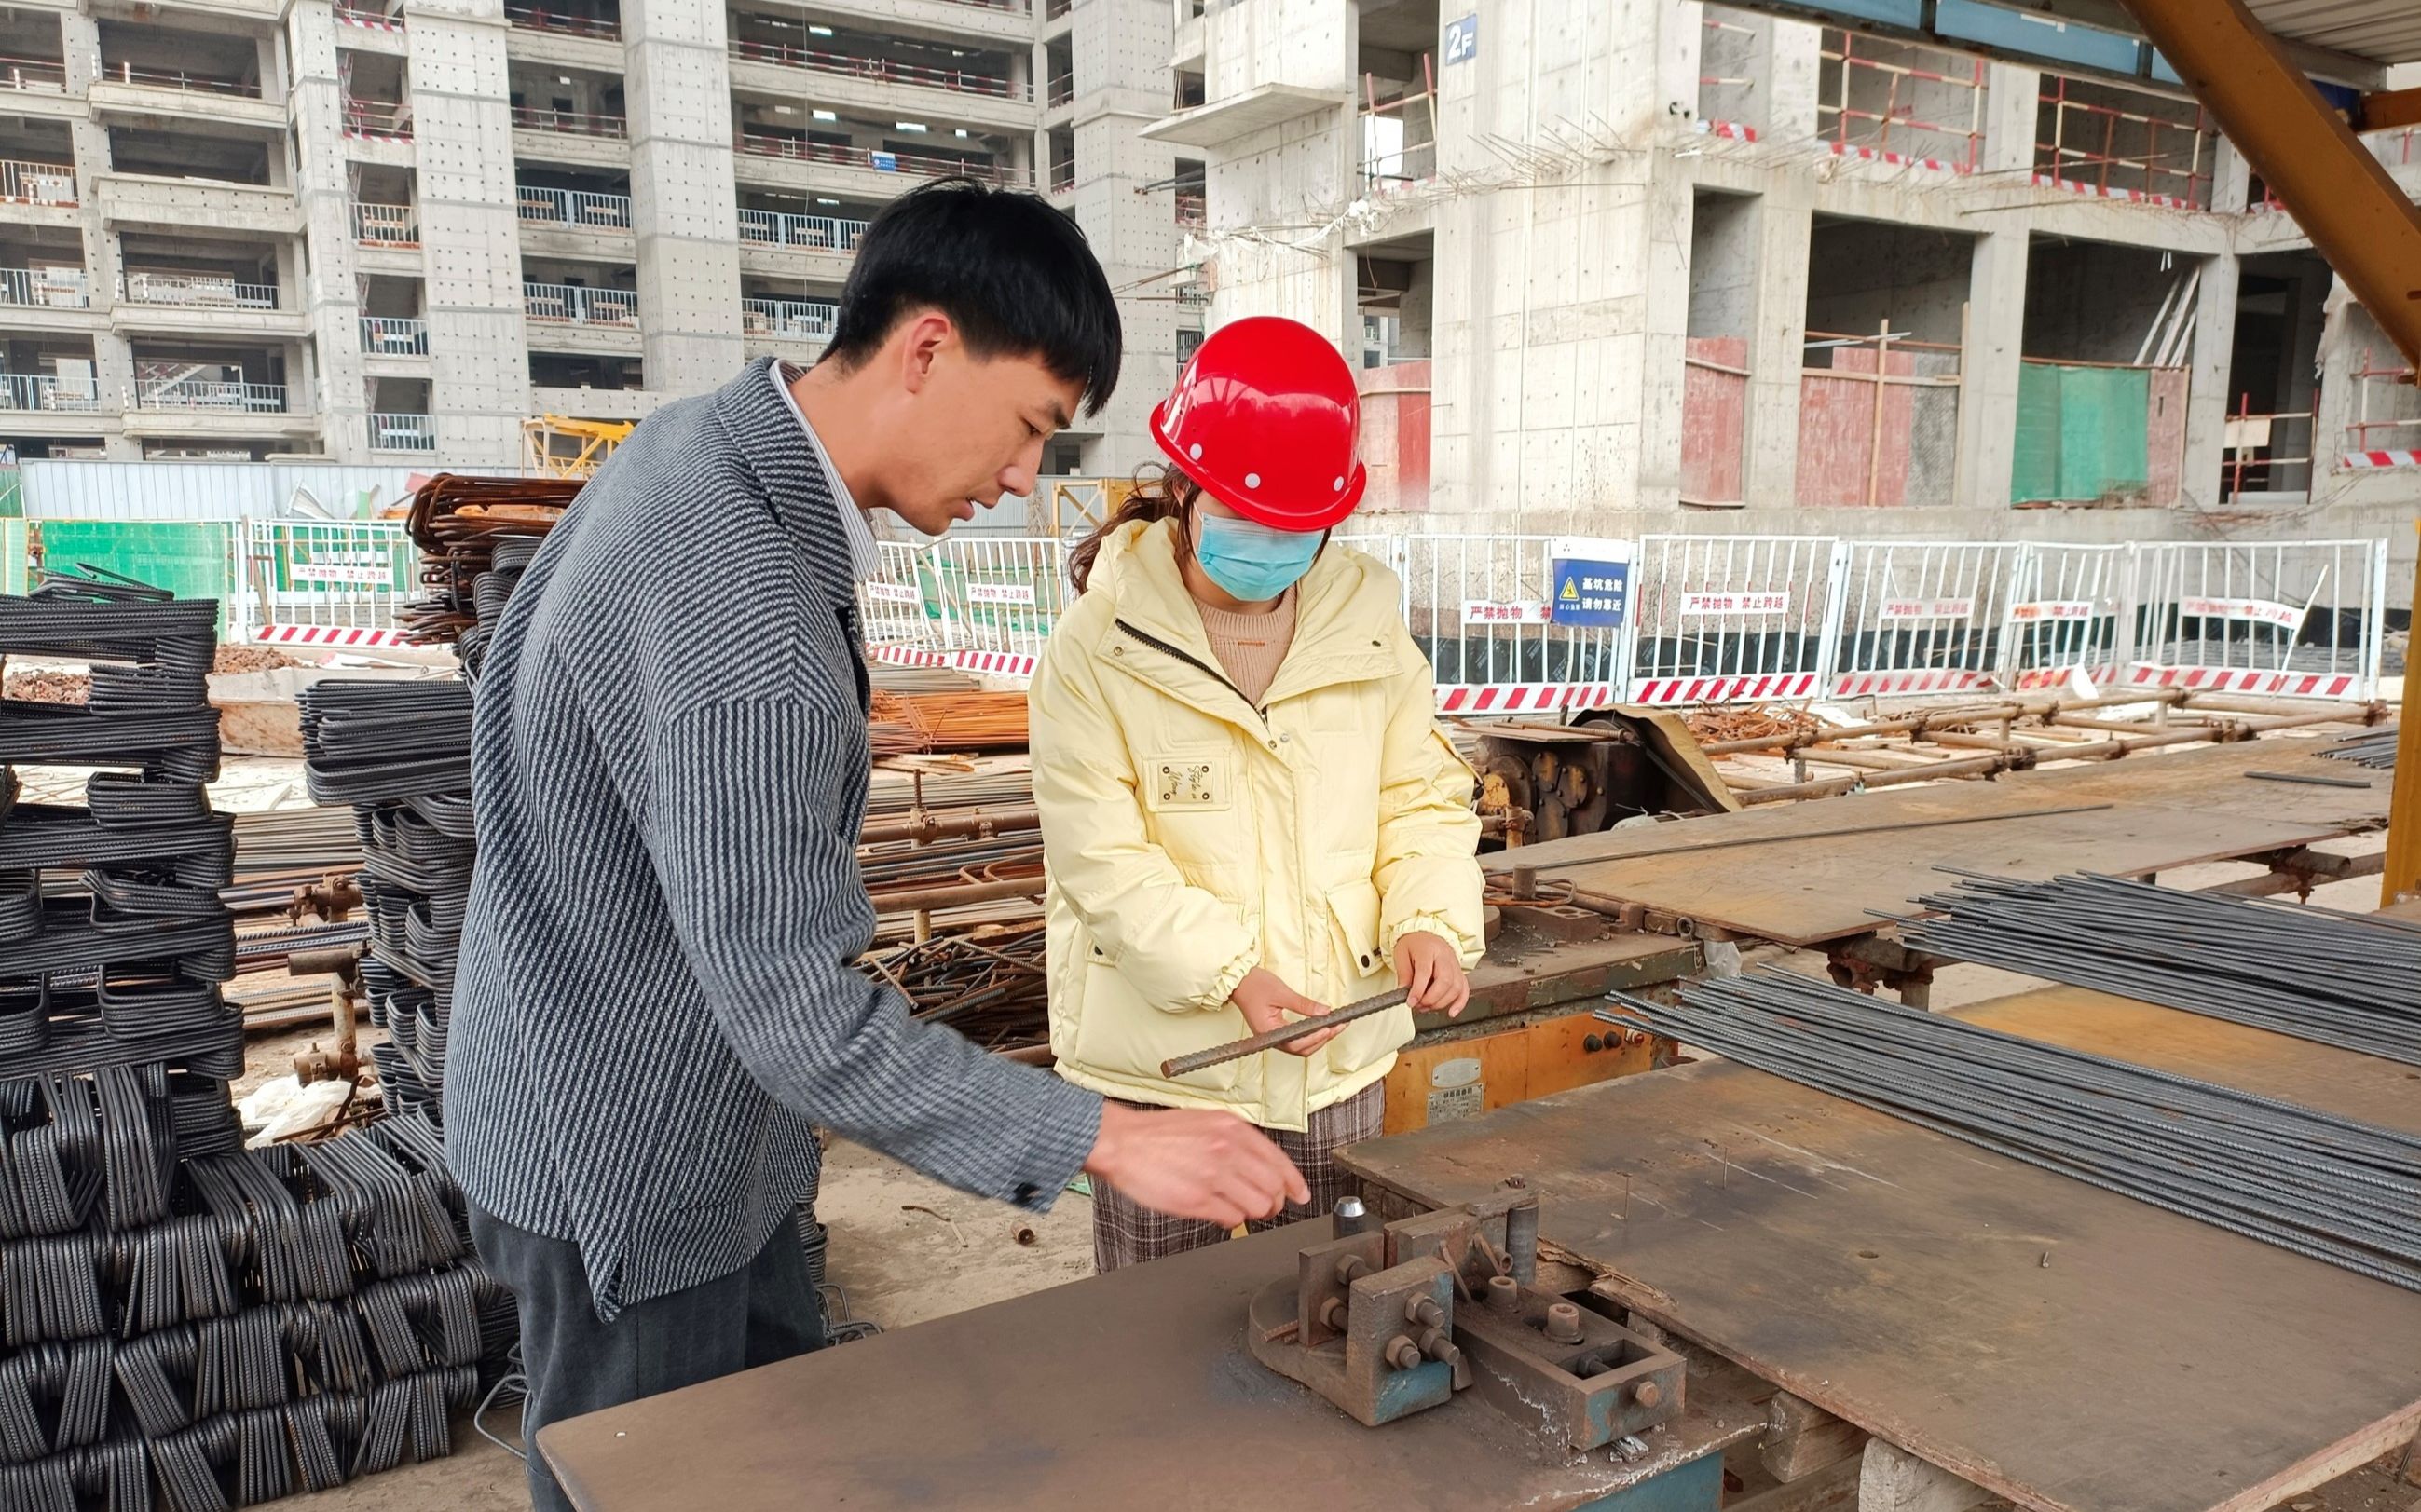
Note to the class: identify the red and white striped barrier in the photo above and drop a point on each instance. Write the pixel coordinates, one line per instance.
(1895, 160)
(995, 663)
(2236, 680)
(1888, 684)
(2135, 197)
(1744, 689)
(334, 635)
(2033, 678)
(1475, 698)
(368, 23)
(2372, 460)
(907, 656)
(1729, 131)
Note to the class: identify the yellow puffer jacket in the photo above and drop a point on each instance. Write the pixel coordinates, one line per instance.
(1192, 837)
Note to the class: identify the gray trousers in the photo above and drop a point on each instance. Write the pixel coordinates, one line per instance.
(577, 1365)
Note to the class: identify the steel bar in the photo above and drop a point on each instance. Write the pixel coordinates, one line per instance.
(2315, 974)
(1281, 1036)
(2327, 1188)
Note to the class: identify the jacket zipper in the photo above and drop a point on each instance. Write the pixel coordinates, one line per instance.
(1194, 661)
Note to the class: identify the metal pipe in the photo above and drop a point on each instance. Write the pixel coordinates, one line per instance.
(1283, 1035)
(924, 826)
(934, 899)
(2337, 192)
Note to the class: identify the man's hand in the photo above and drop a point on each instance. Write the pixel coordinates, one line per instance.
(1429, 969)
(1189, 1162)
(1269, 1003)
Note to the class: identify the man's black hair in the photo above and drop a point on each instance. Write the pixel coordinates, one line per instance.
(1013, 273)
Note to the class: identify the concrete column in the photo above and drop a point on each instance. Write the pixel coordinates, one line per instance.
(1778, 349)
(1663, 348)
(684, 215)
(1988, 401)
(1120, 53)
(470, 230)
(2232, 180)
(1792, 62)
(2013, 105)
(322, 189)
(2207, 401)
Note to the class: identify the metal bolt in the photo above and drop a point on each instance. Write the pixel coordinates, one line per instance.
(1333, 1314)
(1441, 1347)
(1648, 1394)
(1350, 1267)
(1563, 1323)
(1403, 1353)
(1504, 1294)
(1426, 1312)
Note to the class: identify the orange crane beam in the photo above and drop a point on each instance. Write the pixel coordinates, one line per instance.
(2338, 192)
(2402, 878)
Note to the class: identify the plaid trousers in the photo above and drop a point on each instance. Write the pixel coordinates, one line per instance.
(1125, 1233)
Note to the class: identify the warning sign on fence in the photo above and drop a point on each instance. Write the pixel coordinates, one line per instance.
(1926, 608)
(1590, 586)
(338, 572)
(2261, 611)
(893, 593)
(1020, 594)
(1776, 601)
(1490, 611)
(2049, 609)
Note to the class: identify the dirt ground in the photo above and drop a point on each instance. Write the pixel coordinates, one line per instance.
(904, 1250)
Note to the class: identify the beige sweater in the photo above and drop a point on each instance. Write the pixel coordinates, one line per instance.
(1250, 646)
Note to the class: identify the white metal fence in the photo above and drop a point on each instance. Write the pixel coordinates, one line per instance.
(2287, 617)
(1922, 616)
(575, 206)
(2068, 613)
(324, 583)
(577, 305)
(1733, 618)
(817, 233)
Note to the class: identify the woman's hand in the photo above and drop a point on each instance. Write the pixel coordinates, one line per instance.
(1431, 972)
(1269, 1003)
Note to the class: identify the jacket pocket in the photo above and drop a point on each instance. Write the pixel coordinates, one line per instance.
(1120, 1035)
(1362, 970)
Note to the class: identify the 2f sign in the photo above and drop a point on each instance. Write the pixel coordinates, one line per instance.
(1463, 40)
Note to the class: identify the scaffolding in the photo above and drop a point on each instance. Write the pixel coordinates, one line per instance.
(1399, 133)
(556, 446)
(1871, 93)
(1729, 52)
(2388, 435)
(2263, 452)
(2117, 153)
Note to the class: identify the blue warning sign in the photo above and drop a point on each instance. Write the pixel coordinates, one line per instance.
(1588, 593)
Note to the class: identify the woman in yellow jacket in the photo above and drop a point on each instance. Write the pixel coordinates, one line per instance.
(1248, 811)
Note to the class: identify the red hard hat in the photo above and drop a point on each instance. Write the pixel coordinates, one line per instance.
(1264, 417)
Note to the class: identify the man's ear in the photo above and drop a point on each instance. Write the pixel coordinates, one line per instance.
(921, 340)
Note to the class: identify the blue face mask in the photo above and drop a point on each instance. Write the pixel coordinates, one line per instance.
(1250, 561)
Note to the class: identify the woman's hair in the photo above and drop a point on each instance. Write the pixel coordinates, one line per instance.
(1163, 494)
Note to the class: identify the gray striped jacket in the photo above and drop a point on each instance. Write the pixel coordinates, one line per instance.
(655, 1001)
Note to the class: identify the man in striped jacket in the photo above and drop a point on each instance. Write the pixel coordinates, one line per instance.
(656, 1001)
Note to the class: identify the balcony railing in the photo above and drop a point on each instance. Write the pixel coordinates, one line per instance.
(537, 19)
(46, 391)
(386, 226)
(570, 122)
(197, 290)
(390, 335)
(806, 319)
(56, 288)
(817, 233)
(1063, 177)
(402, 432)
(883, 71)
(369, 13)
(798, 149)
(378, 118)
(1061, 89)
(572, 305)
(576, 207)
(178, 79)
(1193, 209)
(36, 183)
(1053, 10)
(34, 75)
(212, 393)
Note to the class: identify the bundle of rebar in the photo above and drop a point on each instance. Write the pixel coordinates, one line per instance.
(2375, 750)
(2339, 979)
(2306, 1182)
(990, 987)
(476, 534)
(953, 721)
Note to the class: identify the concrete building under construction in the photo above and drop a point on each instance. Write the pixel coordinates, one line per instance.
(1616, 264)
(381, 231)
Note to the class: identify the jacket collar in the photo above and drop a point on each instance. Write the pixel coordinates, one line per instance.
(774, 449)
(1343, 616)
